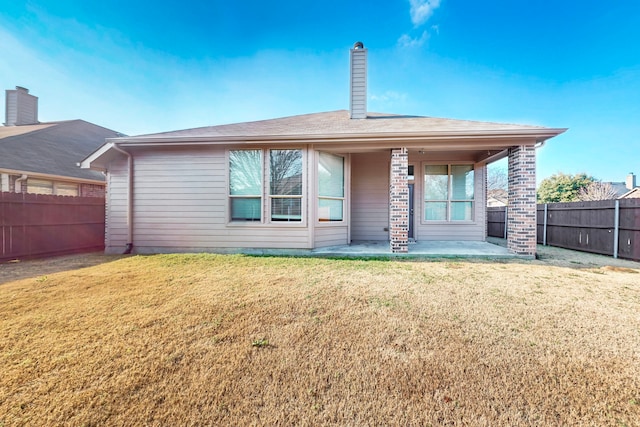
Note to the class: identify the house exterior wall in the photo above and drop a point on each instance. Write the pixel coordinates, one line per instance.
(370, 196)
(45, 184)
(181, 204)
(116, 227)
(474, 230)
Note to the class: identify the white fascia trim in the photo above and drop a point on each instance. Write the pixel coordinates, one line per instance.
(538, 134)
(86, 163)
(52, 177)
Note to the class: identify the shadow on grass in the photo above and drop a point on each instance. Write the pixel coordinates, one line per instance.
(18, 269)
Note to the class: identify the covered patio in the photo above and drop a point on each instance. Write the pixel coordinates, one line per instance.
(429, 249)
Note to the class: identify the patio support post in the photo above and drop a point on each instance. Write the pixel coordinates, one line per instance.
(399, 201)
(521, 235)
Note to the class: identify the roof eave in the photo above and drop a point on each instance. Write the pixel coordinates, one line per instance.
(538, 134)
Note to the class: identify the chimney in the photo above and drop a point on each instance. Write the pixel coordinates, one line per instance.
(20, 107)
(631, 181)
(358, 80)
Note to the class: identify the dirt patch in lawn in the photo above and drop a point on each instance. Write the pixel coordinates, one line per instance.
(238, 340)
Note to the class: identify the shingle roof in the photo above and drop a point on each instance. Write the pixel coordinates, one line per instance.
(339, 123)
(52, 148)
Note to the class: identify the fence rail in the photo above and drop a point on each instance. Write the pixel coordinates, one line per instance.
(34, 225)
(607, 227)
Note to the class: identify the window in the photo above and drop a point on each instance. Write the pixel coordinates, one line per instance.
(62, 189)
(330, 187)
(39, 186)
(448, 192)
(283, 194)
(245, 185)
(285, 171)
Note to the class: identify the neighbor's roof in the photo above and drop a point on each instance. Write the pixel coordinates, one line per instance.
(52, 148)
(338, 123)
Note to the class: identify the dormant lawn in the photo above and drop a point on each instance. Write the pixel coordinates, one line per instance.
(237, 340)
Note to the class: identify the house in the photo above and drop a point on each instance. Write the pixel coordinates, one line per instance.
(42, 158)
(497, 198)
(627, 189)
(317, 180)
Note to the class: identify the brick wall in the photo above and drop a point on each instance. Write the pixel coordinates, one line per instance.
(521, 234)
(91, 190)
(399, 201)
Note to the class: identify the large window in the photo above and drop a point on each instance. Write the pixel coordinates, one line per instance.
(330, 187)
(245, 185)
(285, 171)
(247, 191)
(448, 192)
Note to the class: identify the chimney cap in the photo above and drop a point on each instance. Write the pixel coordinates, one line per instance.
(22, 88)
(358, 45)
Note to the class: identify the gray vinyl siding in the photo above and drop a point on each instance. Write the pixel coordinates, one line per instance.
(370, 196)
(116, 208)
(475, 230)
(358, 101)
(331, 236)
(11, 108)
(21, 108)
(180, 204)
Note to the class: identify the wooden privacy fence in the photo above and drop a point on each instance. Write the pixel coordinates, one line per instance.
(607, 227)
(34, 225)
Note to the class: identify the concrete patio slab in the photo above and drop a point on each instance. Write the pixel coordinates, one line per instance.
(434, 249)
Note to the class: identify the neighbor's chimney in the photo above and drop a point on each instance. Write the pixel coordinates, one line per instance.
(358, 95)
(631, 181)
(21, 108)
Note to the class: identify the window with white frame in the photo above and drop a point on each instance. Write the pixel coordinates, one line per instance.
(245, 185)
(330, 187)
(448, 192)
(283, 194)
(285, 184)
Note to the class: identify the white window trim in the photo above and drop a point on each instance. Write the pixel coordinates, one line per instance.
(266, 196)
(318, 197)
(448, 221)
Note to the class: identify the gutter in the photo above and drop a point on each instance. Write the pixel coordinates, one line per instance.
(129, 247)
(543, 133)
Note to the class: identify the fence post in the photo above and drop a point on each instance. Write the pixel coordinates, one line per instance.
(544, 226)
(616, 229)
(506, 209)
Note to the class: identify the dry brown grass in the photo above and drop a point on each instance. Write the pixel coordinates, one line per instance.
(237, 340)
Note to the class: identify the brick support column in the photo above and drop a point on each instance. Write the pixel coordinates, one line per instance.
(399, 201)
(521, 211)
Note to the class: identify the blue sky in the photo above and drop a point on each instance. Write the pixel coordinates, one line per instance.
(139, 67)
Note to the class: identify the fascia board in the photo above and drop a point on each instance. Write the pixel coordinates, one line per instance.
(51, 176)
(417, 137)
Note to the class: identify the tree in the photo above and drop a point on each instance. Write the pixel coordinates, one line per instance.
(497, 179)
(563, 188)
(597, 191)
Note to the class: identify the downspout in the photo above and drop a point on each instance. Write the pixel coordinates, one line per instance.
(129, 247)
(19, 181)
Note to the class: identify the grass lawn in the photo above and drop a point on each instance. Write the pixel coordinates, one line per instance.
(238, 340)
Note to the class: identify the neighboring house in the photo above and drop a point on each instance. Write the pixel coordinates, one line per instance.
(43, 158)
(317, 180)
(497, 198)
(627, 189)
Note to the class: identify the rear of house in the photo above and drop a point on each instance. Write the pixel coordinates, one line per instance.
(315, 180)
